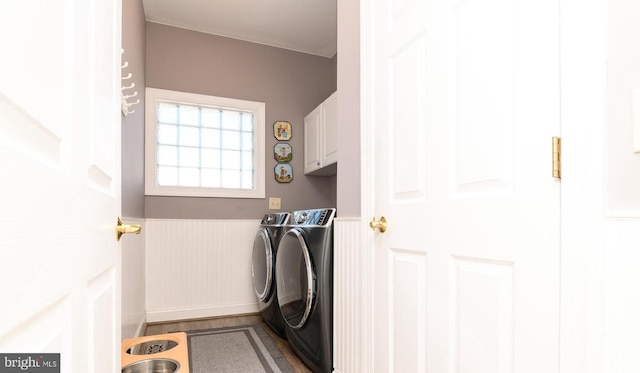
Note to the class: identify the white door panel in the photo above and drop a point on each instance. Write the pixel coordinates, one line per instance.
(60, 190)
(464, 99)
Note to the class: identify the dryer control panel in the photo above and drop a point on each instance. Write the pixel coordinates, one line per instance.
(313, 217)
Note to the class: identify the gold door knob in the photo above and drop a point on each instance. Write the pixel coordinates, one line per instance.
(126, 228)
(380, 225)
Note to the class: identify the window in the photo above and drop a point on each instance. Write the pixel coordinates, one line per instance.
(203, 146)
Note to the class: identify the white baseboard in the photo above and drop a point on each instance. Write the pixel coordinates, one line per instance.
(198, 313)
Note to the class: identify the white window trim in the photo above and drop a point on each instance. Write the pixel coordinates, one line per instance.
(151, 188)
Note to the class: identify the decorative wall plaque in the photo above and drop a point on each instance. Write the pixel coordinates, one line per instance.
(282, 130)
(282, 152)
(283, 173)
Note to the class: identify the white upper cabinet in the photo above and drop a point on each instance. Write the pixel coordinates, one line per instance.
(320, 138)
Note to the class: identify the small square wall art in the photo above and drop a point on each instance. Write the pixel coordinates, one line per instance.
(283, 173)
(282, 130)
(282, 152)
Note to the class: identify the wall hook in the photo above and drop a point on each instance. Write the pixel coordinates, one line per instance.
(125, 105)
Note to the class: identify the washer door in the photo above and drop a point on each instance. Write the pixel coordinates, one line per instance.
(262, 265)
(295, 279)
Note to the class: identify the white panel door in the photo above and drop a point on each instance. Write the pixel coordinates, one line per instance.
(60, 188)
(464, 98)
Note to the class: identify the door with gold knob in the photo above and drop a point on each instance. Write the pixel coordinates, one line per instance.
(463, 96)
(60, 190)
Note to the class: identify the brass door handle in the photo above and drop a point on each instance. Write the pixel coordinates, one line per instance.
(380, 225)
(126, 228)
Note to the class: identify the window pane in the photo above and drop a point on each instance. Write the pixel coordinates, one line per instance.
(230, 160)
(189, 115)
(210, 118)
(247, 122)
(189, 177)
(167, 155)
(167, 134)
(230, 179)
(167, 113)
(247, 140)
(247, 180)
(247, 160)
(210, 138)
(189, 157)
(189, 136)
(210, 178)
(231, 120)
(230, 140)
(210, 158)
(167, 176)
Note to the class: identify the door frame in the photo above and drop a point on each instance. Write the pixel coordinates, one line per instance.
(582, 65)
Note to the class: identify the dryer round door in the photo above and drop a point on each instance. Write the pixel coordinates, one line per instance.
(295, 279)
(262, 265)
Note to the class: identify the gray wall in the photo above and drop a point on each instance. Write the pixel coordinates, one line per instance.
(290, 83)
(348, 73)
(133, 43)
(133, 251)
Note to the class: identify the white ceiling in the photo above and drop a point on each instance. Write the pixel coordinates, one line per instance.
(308, 26)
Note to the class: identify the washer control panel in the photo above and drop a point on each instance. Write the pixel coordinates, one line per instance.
(279, 218)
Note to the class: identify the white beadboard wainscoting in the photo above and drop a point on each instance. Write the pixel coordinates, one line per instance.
(351, 308)
(187, 268)
(133, 278)
(199, 268)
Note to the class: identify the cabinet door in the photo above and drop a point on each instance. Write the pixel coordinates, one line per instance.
(312, 128)
(329, 146)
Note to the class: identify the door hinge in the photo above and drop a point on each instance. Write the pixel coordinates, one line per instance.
(557, 157)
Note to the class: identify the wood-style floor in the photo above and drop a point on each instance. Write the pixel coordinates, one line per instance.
(221, 322)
